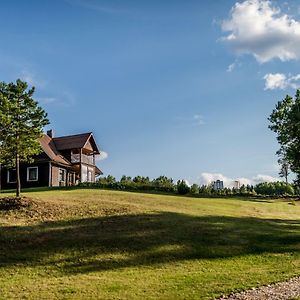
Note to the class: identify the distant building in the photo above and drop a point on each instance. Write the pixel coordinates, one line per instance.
(236, 184)
(218, 185)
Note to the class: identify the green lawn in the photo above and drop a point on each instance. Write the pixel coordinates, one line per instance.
(97, 244)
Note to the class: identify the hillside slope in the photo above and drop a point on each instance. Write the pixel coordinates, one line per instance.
(109, 245)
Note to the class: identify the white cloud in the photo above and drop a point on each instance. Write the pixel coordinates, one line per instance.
(231, 67)
(187, 182)
(63, 98)
(207, 178)
(263, 178)
(32, 79)
(197, 120)
(258, 28)
(103, 155)
(242, 180)
(191, 121)
(281, 81)
(275, 81)
(96, 6)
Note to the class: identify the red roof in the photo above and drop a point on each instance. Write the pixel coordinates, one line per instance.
(49, 148)
(77, 141)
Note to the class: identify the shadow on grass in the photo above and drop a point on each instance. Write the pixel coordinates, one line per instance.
(107, 243)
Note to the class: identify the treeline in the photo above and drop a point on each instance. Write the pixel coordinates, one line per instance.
(164, 184)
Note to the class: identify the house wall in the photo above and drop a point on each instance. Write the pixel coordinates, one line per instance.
(88, 146)
(43, 176)
(55, 177)
(84, 173)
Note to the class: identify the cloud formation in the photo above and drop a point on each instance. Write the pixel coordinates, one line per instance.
(103, 155)
(230, 68)
(281, 81)
(258, 28)
(207, 178)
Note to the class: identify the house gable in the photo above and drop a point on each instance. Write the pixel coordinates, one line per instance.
(50, 150)
(78, 141)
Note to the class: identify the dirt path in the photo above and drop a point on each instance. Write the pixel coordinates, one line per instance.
(280, 291)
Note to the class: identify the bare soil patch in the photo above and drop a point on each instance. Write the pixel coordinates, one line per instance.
(13, 203)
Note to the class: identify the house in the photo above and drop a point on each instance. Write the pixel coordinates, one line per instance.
(64, 161)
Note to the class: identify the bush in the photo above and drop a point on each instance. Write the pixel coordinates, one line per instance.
(275, 189)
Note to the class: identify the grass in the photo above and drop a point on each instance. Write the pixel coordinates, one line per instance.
(98, 244)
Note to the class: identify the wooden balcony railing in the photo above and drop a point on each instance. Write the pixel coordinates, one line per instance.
(87, 159)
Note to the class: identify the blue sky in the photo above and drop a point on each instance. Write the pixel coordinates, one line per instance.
(175, 88)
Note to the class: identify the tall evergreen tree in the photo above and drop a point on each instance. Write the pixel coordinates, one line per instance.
(21, 124)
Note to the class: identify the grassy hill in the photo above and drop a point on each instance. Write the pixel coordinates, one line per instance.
(109, 245)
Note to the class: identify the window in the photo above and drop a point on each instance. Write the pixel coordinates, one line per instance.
(89, 176)
(62, 175)
(84, 173)
(32, 174)
(12, 176)
(71, 178)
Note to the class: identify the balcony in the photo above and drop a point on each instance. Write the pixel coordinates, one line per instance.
(86, 159)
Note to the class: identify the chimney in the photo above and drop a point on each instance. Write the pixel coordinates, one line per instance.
(50, 133)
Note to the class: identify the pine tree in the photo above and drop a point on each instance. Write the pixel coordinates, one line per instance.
(21, 124)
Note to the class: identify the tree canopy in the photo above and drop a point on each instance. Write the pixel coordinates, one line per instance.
(21, 124)
(285, 122)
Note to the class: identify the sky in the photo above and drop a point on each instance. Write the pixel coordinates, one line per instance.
(175, 88)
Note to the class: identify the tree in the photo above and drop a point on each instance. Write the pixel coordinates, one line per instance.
(243, 190)
(284, 169)
(125, 179)
(108, 181)
(285, 122)
(21, 124)
(195, 189)
(141, 180)
(163, 183)
(182, 187)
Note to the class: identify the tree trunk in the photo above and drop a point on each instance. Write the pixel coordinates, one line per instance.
(18, 189)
